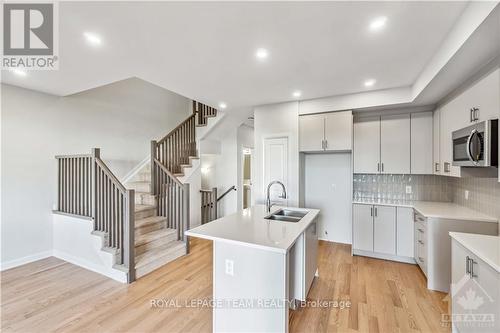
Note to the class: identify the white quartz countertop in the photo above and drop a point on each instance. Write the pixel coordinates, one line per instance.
(249, 228)
(434, 209)
(485, 247)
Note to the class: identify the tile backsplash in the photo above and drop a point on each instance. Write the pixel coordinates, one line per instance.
(393, 187)
(483, 196)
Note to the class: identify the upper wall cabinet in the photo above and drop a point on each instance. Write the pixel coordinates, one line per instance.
(326, 132)
(436, 142)
(366, 148)
(395, 144)
(421, 143)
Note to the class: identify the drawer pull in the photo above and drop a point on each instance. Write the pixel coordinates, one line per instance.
(421, 230)
(420, 242)
(421, 259)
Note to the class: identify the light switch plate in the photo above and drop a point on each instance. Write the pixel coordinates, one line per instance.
(229, 267)
(408, 189)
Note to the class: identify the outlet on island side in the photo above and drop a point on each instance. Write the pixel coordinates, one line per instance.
(408, 189)
(466, 194)
(229, 267)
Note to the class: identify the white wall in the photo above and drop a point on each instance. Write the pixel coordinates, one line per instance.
(328, 187)
(227, 172)
(277, 120)
(245, 138)
(119, 118)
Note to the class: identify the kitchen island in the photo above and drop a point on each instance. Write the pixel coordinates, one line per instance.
(262, 264)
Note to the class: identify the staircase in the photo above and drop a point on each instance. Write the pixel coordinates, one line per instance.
(159, 237)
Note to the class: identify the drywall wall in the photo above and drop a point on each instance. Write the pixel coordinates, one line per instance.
(327, 187)
(227, 172)
(277, 120)
(120, 118)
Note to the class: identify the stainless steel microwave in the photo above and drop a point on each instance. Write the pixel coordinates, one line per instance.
(476, 145)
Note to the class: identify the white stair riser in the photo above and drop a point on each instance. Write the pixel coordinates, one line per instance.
(155, 243)
(145, 213)
(157, 263)
(140, 186)
(150, 227)
(145, 199)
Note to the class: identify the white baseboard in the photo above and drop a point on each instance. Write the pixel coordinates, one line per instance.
(25, 260)
(109, 272)
(384, 256)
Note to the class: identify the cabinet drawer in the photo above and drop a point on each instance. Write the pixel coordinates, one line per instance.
(420, 218)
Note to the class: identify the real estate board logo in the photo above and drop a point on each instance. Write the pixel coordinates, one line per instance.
(29, 35)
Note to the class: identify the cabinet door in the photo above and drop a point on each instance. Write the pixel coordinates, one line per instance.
(404, 232)
(484, 96)
(366, 148)
(311, 255)
(395, 144)
(338, 130)
(436, 166)
(384, 230)
(362, 232)
(450, 120)
(311, 132)
(421, 143)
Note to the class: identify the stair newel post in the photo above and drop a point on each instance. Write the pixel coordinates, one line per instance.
(153, 168)
(96, 153)
(185, 214)
(214, 203)
(128, 246)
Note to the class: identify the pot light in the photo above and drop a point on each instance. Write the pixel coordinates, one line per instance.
(297, 93)
(222, 105)
(370, 82)
(19, 72)
(92, 38)
(378, 23)
(261, 54)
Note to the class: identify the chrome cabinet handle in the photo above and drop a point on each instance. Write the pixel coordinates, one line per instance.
(378, 167)
(421, 242)
(475, 114)
(371, 211)
(382, 167)
(446, 167)
(436, 167)
(421, 230)
(421, 259)
(467, 266)
(326, 144)
(471, 269)
(471, 116)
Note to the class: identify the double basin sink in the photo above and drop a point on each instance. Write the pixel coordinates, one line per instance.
(286, 215)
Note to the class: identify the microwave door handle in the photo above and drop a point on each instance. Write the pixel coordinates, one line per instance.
(469, 140)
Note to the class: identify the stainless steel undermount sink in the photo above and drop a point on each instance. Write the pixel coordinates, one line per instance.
(286, 215)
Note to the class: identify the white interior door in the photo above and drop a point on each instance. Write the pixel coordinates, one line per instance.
(276, 167)
(384, 230)
(395, 144)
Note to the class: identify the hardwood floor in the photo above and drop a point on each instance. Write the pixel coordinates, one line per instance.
(54, 296)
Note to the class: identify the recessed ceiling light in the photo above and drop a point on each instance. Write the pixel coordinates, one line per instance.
(297, 93)
(378, 23)
(261, 54)
(370, 82)
(92, 38)
(222, 105)
(19, 72)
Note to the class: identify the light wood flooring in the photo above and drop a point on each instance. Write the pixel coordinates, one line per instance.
(51, 295)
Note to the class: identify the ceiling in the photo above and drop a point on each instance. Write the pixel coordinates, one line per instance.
(206, 50)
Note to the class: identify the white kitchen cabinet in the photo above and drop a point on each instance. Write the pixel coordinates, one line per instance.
(483, 97)
(421, 143)
(437, 167)
(450, 120)
(362, 233)
(366, 148)
(395, 144)
(311, 255)
(338, 131)
(384, 229)
(404, 232)
(326, 132)
(311, 132)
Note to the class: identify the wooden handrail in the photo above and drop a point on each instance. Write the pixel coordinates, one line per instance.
(176, 128)
(110, 174)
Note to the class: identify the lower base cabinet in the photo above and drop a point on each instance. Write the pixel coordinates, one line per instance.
(475, 293)
(384, 232)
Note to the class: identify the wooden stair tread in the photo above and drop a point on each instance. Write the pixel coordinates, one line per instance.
(153, 235)
(140, 208)
(159, 252)
(149, 220)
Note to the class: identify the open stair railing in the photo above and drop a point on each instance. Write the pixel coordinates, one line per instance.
(209, 202)
(86, 187)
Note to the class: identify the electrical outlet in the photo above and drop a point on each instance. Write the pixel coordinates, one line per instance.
(408, 189)
(229, 267)
(466, 195)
